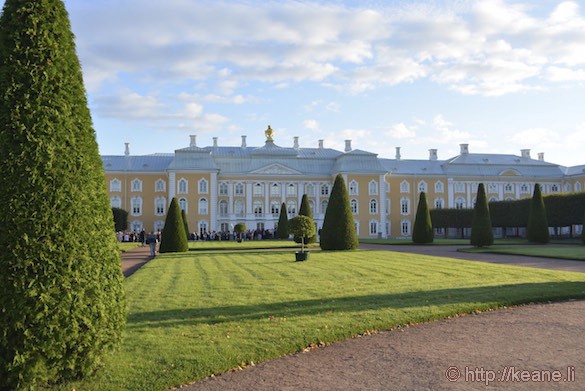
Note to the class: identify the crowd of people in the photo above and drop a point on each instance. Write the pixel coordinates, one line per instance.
(141, 237)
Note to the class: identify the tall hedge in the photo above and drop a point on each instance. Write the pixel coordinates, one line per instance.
(174, 238)
(305, 210)
(481, 226)
(338, 231)
(185, 224)
(120, 219)
(537, 229)
(62, 301)
(423, 227)
(282, 229)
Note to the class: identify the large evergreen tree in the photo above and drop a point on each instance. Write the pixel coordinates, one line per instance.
(174, 238)
(305, 210)
(282, 229)
(62, 301)
(185, 223)
(537, 228)
(120, 219)
(423, 227)
(481, 224)
(338, 232)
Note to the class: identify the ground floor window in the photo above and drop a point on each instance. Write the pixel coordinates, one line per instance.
(373, 227)
(405, 227)
(136, 226)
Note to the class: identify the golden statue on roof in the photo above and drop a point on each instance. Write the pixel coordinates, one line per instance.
(269, 132)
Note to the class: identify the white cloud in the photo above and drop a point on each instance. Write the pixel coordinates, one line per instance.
(401, 131)
(311, 124)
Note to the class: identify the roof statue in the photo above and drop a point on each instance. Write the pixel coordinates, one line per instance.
(269, 132)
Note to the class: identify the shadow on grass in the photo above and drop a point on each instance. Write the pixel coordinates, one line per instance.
(500, 295)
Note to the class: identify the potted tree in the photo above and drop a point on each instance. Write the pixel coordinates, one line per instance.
(304, 228)
(240, 228)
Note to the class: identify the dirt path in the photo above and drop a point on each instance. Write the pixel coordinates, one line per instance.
(133, 260)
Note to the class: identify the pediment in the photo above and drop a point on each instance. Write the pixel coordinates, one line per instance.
(510, 172)
(276, 169)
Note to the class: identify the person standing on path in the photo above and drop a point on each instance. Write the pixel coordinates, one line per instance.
(151, 241)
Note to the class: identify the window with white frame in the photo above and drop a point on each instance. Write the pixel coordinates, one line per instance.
(387, 205)
(159, 225)
(239, 208)
(203, 206)
(354, 206)
(223, 208)
(136, 185)
(554, 188)
(325, 190)
(291, 190)
(274, 208)
(115, 185)
(160, 204)
(439, 203)
(508, 188)
(239, 189)
(373, 206)
(274, 189)
(258, 212)
(404, 187)
(405, 227)
(323, 207)
(160, 186)
(422, 186)
(404, 206)
(182, 186)
(136, 206)
(310, 189)
(373, 227)
(373, 188)
(183, 204)
(353, 188)
(567, 187)
(524, 188)
(356, 225)
(492, 188)
(136, 225)
(223, 189)
(203, 186)
(258, 189)
(203, 226)
(115, 202)
(459, 187)
(578, 186)
(460, 203)
(439, 187)
(291, 207)
(492, 199)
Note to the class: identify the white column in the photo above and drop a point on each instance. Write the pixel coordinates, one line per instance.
(517, 189)
(213, 202)
(469, 191)
(500, 191)
(450, 194)
(382, 206)
(283, 192)
(231, 198)
(317, 213)
(172, 186)
(249, 195)
(266, 199)
(300, 191)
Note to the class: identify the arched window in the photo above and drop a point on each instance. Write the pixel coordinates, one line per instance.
(439, 203)
(373, 227)
(202, 227)
(223, 188)
(115, 185)
(422, 186)
(323, 207)
(578, 186)
(492, 188)
(354, 206)
(239, 208)
(554, 188)
(160, 186)
(115, 202)
(136, 185)
(492, 199)
(404, 187)
(404, 206)
(258, 208)
(239, 189)
(373, 188)
(405, 227)
(524, 188)
(203, 188)
(258, 189)
(203, 206)
(159, 225)
(160, 204)
(291, 207)
(223, 208)
(310, 189)
(183, 204)
(274, 208)
(274, 190)
(373, 206)
(439, 187)
(460, 203)
(567, 187)
(325, 190)
(291, 190)
(136, 206)
(508, 188)
(182, 186)
(136, 225)
(353, 188)
(356, 225)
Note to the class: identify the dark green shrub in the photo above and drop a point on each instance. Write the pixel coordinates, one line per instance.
(120, 219)
(338, 232)
(282, 229)
(537, 229)
(302, 227)
(62, 305)
(423, 227)
(184, 218)
(173, 238)
(481, 226)
(305, 210)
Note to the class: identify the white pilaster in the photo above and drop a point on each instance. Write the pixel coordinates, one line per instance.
(249, 195)
(213, 202)
(382, 206)
(231, 198)
(172, 186)
(450, 194)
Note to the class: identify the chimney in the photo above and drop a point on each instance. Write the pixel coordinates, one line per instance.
(347, 145)
(525, 153)
(296, 142)
(320, 144)
(433, 154)
(541, 156)
(215, 142)
(127, 149)
(193, 140)
(464, 149)
(244, 145)
(397, 153)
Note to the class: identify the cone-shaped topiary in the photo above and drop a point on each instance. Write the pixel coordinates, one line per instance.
(583, 232)
(537, 228)
(282, 229)
(120, 219)
(174, 239)
(305, 210)
(338, 232)
(62, 303)
(481, 224)
(423, 227)
(184, 218)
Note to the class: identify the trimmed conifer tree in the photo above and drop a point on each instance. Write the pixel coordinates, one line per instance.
(583, 231)
(185, 223)
(537, 228)
(481, 224)
(305, 210)
(423, 227)
(173, 238)
(282, 229)
(62, 303)
(338, 232)
(120, 219)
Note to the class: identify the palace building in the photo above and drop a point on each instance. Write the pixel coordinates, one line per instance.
(220, 186)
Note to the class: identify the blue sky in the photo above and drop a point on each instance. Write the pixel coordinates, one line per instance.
(498, 75)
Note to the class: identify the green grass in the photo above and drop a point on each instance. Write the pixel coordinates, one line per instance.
(195, 314)
(215, 245)
(563, 251)
(125, 246)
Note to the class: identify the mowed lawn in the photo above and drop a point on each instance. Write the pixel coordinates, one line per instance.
(195, 314)
(565, 251)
